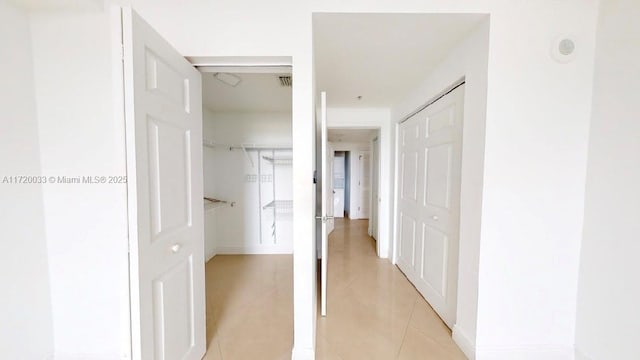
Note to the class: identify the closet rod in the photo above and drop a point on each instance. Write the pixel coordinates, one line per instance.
(246, 146)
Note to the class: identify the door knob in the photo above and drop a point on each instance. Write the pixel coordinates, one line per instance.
(435, 217)
(175, 248)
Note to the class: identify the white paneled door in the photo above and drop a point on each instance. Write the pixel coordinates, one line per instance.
(164, 166)
(326, 216)
(430, 147)
(330, 187)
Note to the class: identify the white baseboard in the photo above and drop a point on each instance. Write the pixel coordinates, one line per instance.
(253, 250)
(462, 340)
(529, 352)
(303, 354)
(581, 356)
(210, 256)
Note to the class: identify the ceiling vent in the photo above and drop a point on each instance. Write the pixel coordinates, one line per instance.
(285, 80)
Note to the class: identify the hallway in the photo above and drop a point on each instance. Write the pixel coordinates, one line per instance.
(373, 310)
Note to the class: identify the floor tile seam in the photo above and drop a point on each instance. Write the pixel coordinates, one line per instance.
(406, 327)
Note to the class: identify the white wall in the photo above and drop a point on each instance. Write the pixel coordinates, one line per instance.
(538, 114)
(537, 117)
(535, 154)
(81, 130)
(468, 59)
(238, 228)
(26, 330)
(608, 325)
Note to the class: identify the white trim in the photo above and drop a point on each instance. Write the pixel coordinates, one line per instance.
(303, 354)
(393, 248)
(210, 256)
(253, 250)
(241, 61)
(132, 192)
(283, 69)
(463, 342)
(526, 352)
(580, 355)
(117, 60)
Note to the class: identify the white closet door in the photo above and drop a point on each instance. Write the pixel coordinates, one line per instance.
(429, 206)
(164, 168)
(364, 185)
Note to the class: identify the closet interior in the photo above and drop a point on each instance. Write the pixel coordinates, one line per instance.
(247, 161)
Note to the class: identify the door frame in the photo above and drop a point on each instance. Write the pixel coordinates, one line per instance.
(375, 174)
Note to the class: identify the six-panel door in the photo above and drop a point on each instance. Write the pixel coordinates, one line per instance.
(164, 165)
(429, 201)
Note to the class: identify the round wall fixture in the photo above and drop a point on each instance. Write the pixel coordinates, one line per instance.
(563, 49)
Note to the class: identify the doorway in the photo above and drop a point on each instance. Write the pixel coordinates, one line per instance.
(247, 167)
(353, 167)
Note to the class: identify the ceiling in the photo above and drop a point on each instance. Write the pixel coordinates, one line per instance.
(56, 5)
(381, 56)
(351, 135)
(254, 93)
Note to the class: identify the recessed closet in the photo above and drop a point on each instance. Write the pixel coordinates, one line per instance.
(247, 162)
(248, 200)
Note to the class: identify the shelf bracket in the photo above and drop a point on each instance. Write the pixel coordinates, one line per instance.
(244, 150)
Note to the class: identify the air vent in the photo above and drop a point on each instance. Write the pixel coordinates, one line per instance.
(285, 80)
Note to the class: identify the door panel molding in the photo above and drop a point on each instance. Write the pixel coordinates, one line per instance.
(429, 151)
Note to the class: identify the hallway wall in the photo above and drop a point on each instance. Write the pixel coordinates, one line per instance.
(468, 59)
(78, 84)
(607, 326)
(26, 330)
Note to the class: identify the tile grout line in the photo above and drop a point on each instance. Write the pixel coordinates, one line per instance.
(406, 327)
(219, 350)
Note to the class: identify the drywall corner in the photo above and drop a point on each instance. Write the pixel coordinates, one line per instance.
(26, 330)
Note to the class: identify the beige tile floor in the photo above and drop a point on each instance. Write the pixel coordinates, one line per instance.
(373, 310)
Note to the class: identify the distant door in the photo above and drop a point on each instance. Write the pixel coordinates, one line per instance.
(375, 197)
(364, 185)
(164, 169)
(338, 186)
(430, 147)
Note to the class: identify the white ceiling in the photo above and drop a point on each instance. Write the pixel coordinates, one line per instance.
(351, 135)
(381, 56)
(56, 5)
(254, 93)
